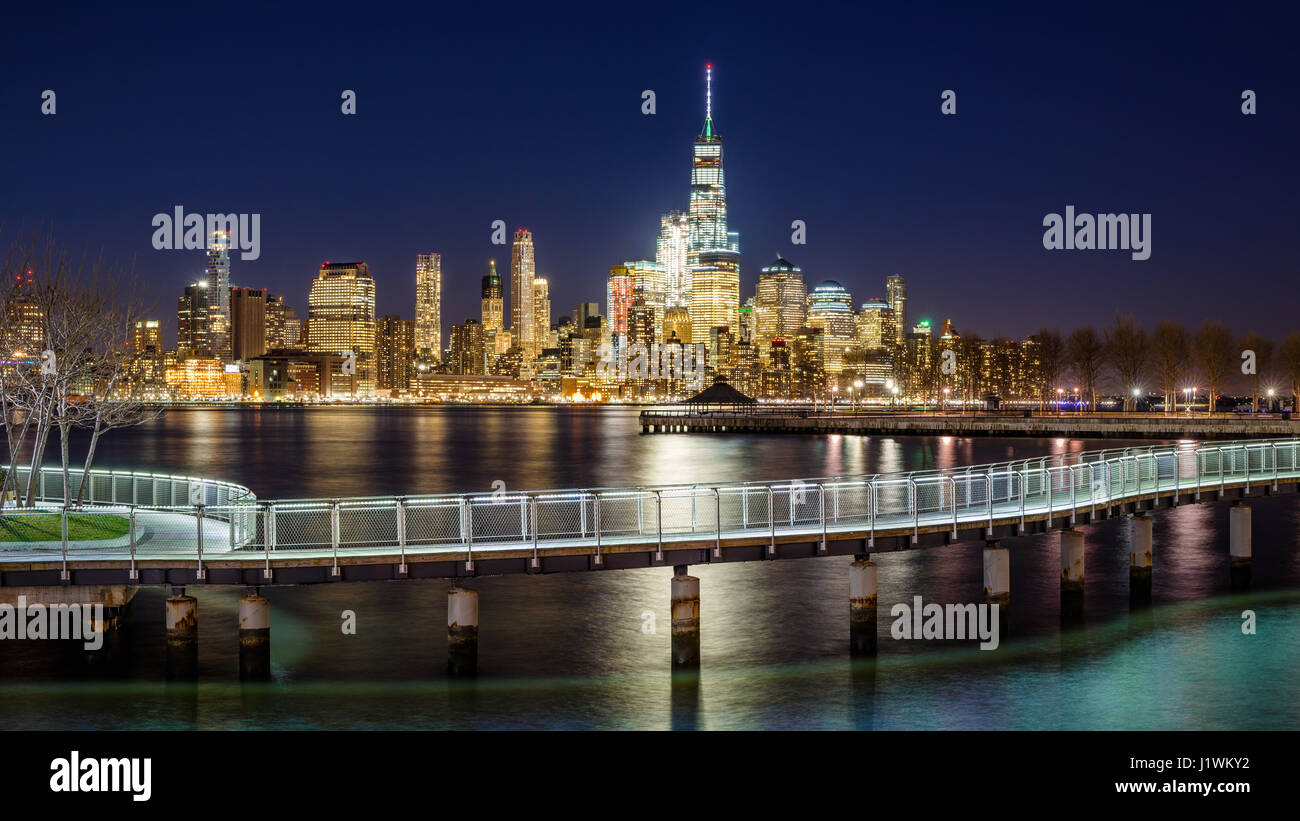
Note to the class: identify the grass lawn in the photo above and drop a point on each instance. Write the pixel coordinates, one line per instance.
(44, 527)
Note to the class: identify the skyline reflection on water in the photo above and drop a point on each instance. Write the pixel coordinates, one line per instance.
(567, 650)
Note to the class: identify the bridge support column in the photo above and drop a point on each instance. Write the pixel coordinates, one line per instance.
(1239, 550)
(462, 631)
(686, 619)
(254, 638)
(1141, 539)
(1072, 574)
(182, 621)
(862, 606)
(997, 573)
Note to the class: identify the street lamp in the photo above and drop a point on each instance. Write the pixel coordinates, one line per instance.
(1136, 393)
(1187, 400)
(858, 384)
(946, 391)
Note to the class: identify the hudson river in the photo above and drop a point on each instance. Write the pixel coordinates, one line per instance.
(569, 650)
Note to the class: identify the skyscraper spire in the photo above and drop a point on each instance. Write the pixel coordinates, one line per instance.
(708, 100)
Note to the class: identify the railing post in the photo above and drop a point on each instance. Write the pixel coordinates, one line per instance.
(771, 519)
(822, 495)
(198, 520)
(913, 503)
(717, 523)
(988, 502)
(112, 489)
(595, 514)
(467, 515)
(1073, 491)
(1245, 489)
(523, 517)
(1275, 467)
(582, 514)
(659, 524)
(871, 512)
(334, 535)
(401, 531)
(954, 507)
(1223, 475)
(63, 538)
(131, 528)
(532, 504)
(268, 536)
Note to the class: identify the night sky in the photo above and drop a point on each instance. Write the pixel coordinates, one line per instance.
(531, 114)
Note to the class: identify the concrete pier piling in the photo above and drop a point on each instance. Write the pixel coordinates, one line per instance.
(997, 573)
(462, 632)
(862, 606)
(685, 620)
(182, 621)
(254, 638)
(1239, 548)
(1072, 574)
(1141, 528)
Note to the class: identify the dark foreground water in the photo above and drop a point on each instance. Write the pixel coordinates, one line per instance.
(570, 651)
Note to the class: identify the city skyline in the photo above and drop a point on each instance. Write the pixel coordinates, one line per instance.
(954, 204)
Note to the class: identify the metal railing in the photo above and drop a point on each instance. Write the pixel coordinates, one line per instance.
(897, 503)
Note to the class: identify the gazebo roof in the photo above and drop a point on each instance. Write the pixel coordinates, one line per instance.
(720, 393)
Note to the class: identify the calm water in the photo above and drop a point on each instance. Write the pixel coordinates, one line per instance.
(568, 650)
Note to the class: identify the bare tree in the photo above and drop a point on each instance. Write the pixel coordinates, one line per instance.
(1289, 362)
(72, 327)
(1085, 353)
(1127, 349)
(1171, 352)
(1263, 350)
(1213, 355)
(1051, 360)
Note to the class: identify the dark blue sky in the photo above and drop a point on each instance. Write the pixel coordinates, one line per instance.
(530, 113)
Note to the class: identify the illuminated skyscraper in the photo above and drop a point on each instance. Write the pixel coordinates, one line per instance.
(648, 285)
(670, 253)
(341, 317)
(523, 268)
(877, 324)
(712, 253)
(395, 348)
(24, 321)
(219, 295)
(493, 293)
(707, 217)
(830, 307)
(618, 294)
(715, 293)
(192, 319)
(428, 304)
(780, 303)
(541, 313)
(896, 296)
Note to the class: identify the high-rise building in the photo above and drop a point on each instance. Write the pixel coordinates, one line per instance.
(618, 298)
(670, 253)
(282, 325)
(468, 349)
(715, 292)
(896, 296)
(877, 324)
(830, 307)
(523, 269)
(541, 313)
(808, 363)
(707, 214)
(219, 295)
(192, 318)
(780, 303)
(493, 293)
(583, 312)
(428, 304)
(148, 376)
(341, 317)
(649, 285)
(677, 326)
(247, 323)
(395, 347)
(24, 328)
